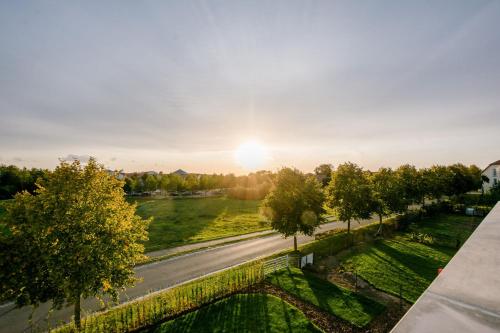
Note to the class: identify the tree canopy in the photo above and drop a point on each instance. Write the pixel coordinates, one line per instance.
(349, 193)
(386, 193)
(76, 236)
(295, 203)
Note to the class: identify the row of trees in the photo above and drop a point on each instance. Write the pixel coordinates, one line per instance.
(297, 202)
(137, 183)
(14, 180)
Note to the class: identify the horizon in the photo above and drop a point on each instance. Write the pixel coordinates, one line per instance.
(235, 87)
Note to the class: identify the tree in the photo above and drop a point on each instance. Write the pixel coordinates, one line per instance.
(150, 183)
(175, 182)
(462, 179)
(386, 194)
(191, 182)
(295, 204)
(164, 183)
(324, 173)
(476, 177)
(75, 237)
(438, 180)
(349, 194)
(408, 179)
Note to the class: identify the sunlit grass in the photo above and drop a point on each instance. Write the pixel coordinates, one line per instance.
(343, 303)
(184, 221)
(401, 265)
(242, 313)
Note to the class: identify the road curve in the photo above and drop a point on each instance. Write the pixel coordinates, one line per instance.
(162, 274)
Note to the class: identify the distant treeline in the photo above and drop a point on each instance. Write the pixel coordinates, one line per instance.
(430, 182)
(252, 186)
(14, 180)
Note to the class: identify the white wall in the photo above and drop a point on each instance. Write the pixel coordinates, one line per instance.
(493, 177)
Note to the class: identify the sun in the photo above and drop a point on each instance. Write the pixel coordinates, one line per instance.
(251, 155)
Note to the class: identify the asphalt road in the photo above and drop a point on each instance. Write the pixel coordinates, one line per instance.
(162, 274)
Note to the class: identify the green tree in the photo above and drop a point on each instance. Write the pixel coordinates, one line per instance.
(164, 183)
(324, 173)
(409, 180)
(175, 182)
(475, 174)
(192, 182)
(295, 204)
(77, 237)
(386, 194)
(349, 194)
(462, 179)
(151, 183)
(438, 180)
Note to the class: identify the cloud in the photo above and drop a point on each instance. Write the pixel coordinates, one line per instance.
(73, 157)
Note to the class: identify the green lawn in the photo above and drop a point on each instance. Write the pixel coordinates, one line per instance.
(242, 313)
(389, 264)
(184, 221)
(338, 301)
(446, 229)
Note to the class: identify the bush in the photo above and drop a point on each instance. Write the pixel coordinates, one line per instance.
(436, 208)
(422, 238)
(338, 240)
(404, 221)
(171, 302)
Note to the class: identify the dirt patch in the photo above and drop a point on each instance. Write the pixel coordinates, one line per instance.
(322, 319)
(396, 307)
(330, 323)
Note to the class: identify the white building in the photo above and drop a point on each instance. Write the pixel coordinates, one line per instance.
(492, 171)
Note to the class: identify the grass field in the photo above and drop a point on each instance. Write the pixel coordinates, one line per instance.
(399, 262)
(446, 229)
(242, 313)
(338, 301)
(184, 221)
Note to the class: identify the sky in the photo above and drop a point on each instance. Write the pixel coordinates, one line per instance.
(162, 85)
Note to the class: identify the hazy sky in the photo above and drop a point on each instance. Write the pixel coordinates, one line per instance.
(181, 84)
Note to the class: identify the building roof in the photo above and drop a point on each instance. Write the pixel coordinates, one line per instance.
(494, 163)
(465, 296)
(180, 172)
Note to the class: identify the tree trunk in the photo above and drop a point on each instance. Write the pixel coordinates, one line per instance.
(295, 242)
(349, 238)
(77, 313)
(379, 231)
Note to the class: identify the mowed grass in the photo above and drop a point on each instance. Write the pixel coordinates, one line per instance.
(343, 303)
(184, 221)
(400, 263)
(242, 313)
(447, 229)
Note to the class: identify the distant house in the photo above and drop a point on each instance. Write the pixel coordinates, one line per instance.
(181, 173)
(118, 174)
(492, 172)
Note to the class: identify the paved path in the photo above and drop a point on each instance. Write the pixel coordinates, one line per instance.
(202, 245)
(162, 274)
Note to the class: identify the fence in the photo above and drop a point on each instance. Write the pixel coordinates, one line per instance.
(278, 263)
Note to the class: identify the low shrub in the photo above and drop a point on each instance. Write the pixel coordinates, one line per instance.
(436, 208)
(403, 221)
(421, 238)
(331, 243)
(163, 305)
